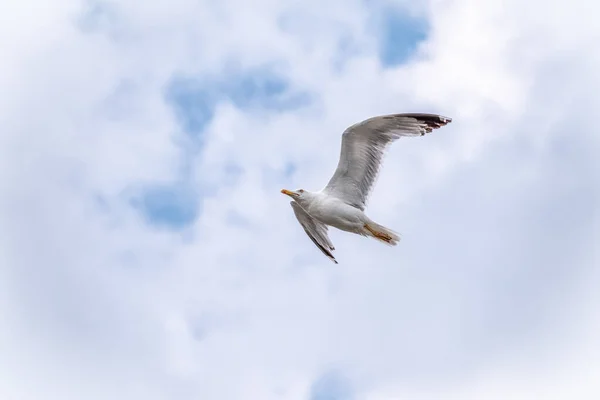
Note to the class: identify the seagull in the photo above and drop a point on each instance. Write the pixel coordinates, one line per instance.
(341, 204)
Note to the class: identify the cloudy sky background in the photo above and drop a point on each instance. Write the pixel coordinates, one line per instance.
(146, 252)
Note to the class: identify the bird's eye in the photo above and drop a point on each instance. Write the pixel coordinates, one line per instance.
(301, 191)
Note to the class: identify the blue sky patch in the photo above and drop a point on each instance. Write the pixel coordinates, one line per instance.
(331, 386)
(171, 206)
(290, 169)
(400, 34)
(194, 100)
(102, 17)
(192, 103)
(263, 89)
(256, 88)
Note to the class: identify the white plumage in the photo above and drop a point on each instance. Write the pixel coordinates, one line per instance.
(342, 202)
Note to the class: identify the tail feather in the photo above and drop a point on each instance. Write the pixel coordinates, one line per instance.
(382, 233)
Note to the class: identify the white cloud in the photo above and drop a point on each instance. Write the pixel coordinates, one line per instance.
(490, 291)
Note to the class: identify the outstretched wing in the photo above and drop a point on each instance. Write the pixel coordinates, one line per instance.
(316, 231)
(363, 146)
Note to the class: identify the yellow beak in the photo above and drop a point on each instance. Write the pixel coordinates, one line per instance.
(288, 192)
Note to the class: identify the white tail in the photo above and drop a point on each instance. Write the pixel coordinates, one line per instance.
(381, 233)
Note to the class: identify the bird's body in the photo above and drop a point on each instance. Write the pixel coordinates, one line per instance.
(342, 202)
(334, 212)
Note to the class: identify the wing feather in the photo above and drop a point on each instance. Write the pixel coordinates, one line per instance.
(316, 231)
(363, 147)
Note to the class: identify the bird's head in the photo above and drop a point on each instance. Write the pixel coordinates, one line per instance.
(299, 195)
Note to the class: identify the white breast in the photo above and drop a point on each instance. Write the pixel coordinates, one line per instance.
(336, 213)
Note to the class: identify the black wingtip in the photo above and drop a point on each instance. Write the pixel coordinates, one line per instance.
(433, 121)
(331, 257)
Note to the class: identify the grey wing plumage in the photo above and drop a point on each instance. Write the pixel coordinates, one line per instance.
(363, 146)
(316, 231)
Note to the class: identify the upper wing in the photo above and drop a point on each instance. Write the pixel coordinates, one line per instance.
(363, 146)
(315, 230)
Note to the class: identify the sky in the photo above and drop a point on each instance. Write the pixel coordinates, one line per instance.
(147, 253)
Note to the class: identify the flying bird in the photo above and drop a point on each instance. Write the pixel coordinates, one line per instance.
(341, 204)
